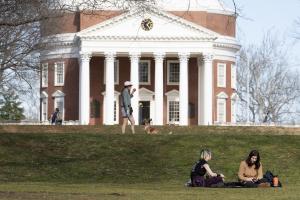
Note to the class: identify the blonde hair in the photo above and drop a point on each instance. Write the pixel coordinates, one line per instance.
(204, 153)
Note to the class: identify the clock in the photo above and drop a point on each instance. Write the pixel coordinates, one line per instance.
(147, 24)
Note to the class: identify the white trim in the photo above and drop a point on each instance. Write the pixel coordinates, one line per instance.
(233, 76)
(55, 74)
(45, 69)
(117, 65)
(221, 84)
(58, 93)
(168, 72)
(222, 95)
(149, 71)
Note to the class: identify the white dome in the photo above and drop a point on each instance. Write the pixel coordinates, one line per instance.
(214, 6)
(194, 5)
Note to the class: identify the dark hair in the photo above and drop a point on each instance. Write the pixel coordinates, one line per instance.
(257, 163)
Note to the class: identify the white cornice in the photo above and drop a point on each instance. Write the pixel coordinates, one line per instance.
(227, 43)
(146, 38)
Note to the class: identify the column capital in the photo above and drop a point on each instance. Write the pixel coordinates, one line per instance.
(208, 57)
(159, 56)
(110, 55)
(85, 56)
(134, 55)
(184, 56)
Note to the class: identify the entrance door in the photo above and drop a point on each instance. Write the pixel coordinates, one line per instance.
(144, 111)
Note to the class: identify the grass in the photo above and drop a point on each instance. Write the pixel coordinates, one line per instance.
(76, 164)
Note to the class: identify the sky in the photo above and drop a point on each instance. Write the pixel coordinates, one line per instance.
(260, 16)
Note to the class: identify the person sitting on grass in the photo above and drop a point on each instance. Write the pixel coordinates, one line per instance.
(251, 173)
(201, 168)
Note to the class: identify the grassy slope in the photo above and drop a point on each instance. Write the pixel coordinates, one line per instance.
(136, 166)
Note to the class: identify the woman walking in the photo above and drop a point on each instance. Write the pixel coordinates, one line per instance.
(126, 108)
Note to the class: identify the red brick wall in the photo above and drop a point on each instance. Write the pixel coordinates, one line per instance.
(70, 88)
(228, 90)
(222, 24)
(74, 22)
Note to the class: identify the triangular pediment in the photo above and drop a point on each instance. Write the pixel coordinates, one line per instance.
(145, 92)
(165, 27)
(173, 93)
(222, 95)
(58, 93)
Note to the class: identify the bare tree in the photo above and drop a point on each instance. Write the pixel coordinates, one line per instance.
(21, 23)
(264, 75)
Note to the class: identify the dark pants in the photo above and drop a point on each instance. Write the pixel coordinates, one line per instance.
(250, 184)
(201, 181)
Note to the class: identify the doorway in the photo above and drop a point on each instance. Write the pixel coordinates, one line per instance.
(144, 111)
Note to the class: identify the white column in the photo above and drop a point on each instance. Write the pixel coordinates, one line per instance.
(207, 89)
(184, 89)
(134, 78)
(159, 88)
(109, 88)
(84, 88)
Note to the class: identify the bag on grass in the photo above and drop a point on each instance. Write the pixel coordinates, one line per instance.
(270, 177)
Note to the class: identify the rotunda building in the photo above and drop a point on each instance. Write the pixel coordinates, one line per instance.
(179, 55)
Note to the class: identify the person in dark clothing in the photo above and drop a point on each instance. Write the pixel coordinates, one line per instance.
(56, 117)
(202, 175)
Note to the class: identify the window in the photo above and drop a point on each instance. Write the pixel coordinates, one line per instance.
(115, 111)
(59, 103)
(173, 111)
(144, 72)
(173, 72)
(221, 110)
(221, 74)
(233, 76)
(116, 72)
(59, 74)
(44, 109)
(45, 75)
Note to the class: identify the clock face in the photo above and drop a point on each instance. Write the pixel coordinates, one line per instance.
(147, 24)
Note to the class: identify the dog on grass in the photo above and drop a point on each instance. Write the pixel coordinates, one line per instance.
(148, 128)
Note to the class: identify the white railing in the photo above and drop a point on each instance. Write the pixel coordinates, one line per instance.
(76, 122)
(258, 124)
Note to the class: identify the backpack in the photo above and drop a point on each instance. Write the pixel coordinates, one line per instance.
(269, 177)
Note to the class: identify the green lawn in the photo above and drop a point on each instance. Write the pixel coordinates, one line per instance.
(70, 163)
